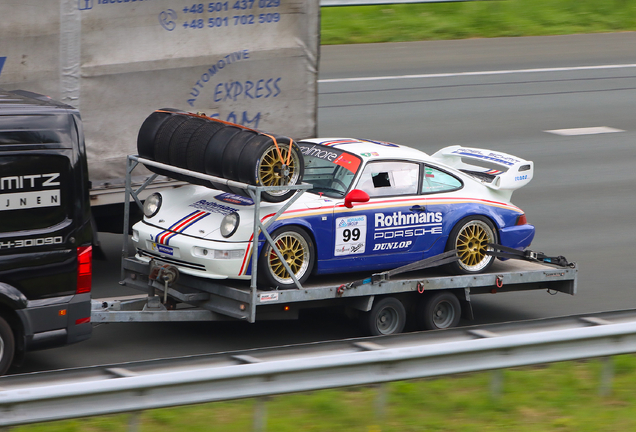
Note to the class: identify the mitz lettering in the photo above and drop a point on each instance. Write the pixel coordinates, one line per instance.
(392, 245)
(29, 181)
(398, 219)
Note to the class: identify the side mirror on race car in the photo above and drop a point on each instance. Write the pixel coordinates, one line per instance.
(355, 196)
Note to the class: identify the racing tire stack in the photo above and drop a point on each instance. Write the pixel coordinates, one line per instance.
(221, 149)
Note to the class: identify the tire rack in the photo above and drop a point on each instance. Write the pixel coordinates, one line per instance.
(255, 193)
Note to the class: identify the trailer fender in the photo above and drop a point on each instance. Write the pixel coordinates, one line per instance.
(363, 304)
(467, 306)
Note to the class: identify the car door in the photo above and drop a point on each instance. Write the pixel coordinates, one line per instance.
(386, 231)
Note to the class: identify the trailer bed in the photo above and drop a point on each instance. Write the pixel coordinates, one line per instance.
(214, 300)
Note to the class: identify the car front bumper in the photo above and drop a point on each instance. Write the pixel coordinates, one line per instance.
(194, 256)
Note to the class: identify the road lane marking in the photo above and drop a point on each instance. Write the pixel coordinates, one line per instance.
(584, 131)
(477, 73)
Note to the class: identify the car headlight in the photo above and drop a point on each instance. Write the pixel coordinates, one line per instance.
(229, 224)
(152, 205)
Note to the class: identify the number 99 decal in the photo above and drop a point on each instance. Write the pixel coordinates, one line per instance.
(351, 235)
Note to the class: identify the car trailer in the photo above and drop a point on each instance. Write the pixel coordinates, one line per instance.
(382, 301)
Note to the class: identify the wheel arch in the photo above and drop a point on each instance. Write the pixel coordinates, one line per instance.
(17, 326)
(299, 223)
(465, 217)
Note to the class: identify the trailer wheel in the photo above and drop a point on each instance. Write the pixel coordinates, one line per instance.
(469, 237)
(298, 251)
(7, 346)
(386, 317)
(439, 311)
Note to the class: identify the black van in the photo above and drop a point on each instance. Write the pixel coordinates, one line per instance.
(45, 230)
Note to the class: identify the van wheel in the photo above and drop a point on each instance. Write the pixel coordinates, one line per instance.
(439, 311)
(386, 317)
(7, 346)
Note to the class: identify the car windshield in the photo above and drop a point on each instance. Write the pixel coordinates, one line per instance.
(329, 170)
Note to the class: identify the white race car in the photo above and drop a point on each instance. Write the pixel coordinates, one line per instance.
(374, 206)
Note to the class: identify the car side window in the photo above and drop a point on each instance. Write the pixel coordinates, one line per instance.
(389, 178)
(435, 180)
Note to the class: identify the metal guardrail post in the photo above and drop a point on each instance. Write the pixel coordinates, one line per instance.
(133, 421)
(607, 376)
(380, 404)
(260, 414)
(496, 383)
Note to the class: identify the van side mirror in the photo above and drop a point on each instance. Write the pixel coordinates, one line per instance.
(355, 196)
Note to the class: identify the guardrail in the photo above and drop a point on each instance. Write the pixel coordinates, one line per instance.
(146, 385)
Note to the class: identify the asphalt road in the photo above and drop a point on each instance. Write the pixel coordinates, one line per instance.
(485, 93)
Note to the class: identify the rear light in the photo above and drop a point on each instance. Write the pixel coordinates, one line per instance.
(84, 269)
(521, 220)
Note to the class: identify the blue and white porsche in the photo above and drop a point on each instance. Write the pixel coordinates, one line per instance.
(374, 206)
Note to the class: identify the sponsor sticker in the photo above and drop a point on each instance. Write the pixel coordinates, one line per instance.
(500, 158)
(351, 235)
(234, 199)
(212, 207)
(268, 297)
(330, 154)
(166, 250)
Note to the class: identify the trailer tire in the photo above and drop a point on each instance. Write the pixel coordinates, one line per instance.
(195, 158)
(214, 154)
(181, 140)
(164, 137)
(149, 129)
(386, 317)
(297, 248)
(162, 143)
(232, 158)
(179, 143)
(469, 237)
(7, 346)
(438, 311)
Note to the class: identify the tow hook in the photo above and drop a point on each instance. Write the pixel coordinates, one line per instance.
(166, 273)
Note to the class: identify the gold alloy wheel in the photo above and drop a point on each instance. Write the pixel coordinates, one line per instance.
(295, 251)
(270, 169)
(471, 245)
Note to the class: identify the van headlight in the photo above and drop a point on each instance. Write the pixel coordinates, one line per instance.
(229, 224)
(152, 205)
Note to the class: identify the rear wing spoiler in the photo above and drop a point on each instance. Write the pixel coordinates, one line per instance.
(498, 171)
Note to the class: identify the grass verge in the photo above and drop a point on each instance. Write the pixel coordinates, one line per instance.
(559, 397)
(472, 19)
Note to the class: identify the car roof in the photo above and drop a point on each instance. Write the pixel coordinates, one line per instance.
(372, 149)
